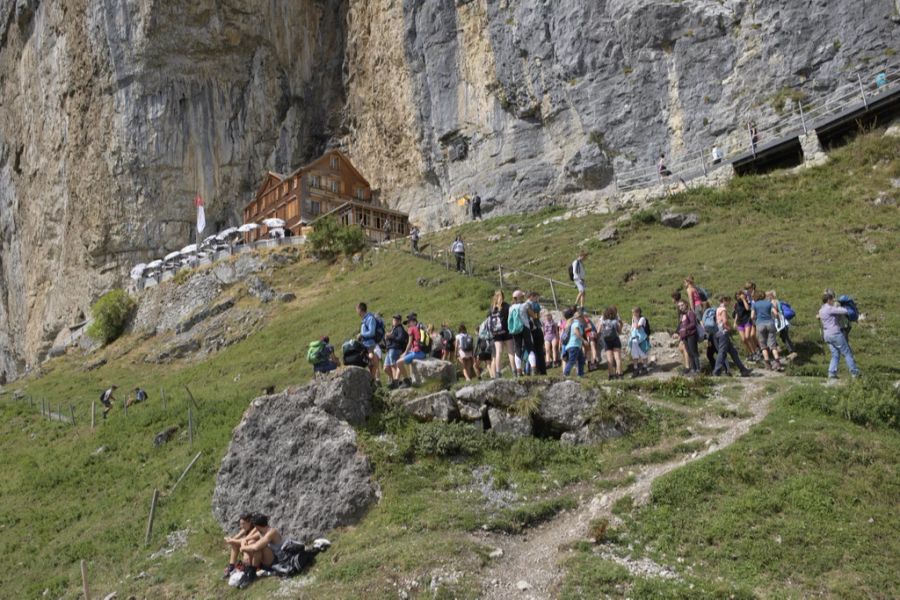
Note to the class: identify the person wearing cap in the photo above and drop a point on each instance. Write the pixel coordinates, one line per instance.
(368, 337)
(328, 362)
(397, 340)
(413, 345)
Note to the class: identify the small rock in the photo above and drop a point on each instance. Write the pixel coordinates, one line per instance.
(679, 220)
(523, 586)
(287, 297)
(99, 451)
(95, 364)
(608, 234)
(496, 553)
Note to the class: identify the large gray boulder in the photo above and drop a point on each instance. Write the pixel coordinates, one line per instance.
(501, 393)
(434, 407)
(432, 369)
(504, 422)
(291, 459)
(564, 406)
(346, 394)
(679, 220)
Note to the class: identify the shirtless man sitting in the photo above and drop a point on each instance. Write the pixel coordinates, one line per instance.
(260, 549)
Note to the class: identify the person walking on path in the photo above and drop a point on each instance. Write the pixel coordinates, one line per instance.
(723, 343)
(830, 316)
(476, 207)
(550, 331)
(107, 398)
(369, 334)
(498, 318)
(687, 331)
(574, 329)
(414, 239)
(458, 248)
(610, 330)
(639, 343)
(519, 325)
(465, 352)
(578, 275)
(397, 340)
(763, 313)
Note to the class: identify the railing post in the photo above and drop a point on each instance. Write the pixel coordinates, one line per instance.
(703, 162)
(500, 269)
(615, 182)
(553, 293)
(862, 91)
(802, 118)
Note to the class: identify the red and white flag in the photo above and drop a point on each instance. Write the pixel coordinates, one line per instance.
(201, 214)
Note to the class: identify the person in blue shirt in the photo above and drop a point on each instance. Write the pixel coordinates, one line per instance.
(763, 314)
(368, 339)
(573, 349)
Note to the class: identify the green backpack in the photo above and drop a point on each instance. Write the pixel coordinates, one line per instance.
(514, 323)
(316, 351)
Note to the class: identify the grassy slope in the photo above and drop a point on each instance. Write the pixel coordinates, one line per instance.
(70, 504)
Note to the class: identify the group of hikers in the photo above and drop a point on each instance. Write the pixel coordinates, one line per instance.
(107, 397)
(533, 339)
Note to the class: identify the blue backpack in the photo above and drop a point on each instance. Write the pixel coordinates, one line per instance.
(514, 324)
(852, 312)
(787, 311)
(709, 321)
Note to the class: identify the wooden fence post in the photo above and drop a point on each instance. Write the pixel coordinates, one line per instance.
(152, 516)
(72, 414)
(185, 472)
(125, 406)
(553, 292)
(84, 581)
(93, 412)
(59, 415)
(162, 394)
(190, 426)
(500, 269)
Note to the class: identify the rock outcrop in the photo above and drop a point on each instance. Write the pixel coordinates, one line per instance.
(117, 113)
(294, 457)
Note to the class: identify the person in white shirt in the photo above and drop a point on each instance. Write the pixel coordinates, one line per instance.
(578, 277)
(458, 248)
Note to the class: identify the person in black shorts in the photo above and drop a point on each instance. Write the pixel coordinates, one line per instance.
(107, 398)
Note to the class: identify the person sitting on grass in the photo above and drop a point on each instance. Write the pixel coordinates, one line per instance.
(245, 529)
(326, 360)
(260, 551)
(139, 396)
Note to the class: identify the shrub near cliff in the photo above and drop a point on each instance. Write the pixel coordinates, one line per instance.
(111, 313)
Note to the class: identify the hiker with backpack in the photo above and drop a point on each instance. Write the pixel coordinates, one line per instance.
(476, 207)
(696, 297)
(465, 352)
(321, 355)
(397, 340)
(519, 326)
(415, 346)
(577, 275)
(498, 317)
(371, 335)
(484, 347)
(610, 330)
(537, 333)
(414, 239)
(708, 332)
(685, 360)
(592, 339)
(458, 248)
(572, 335)
(846, 322)
(723, 343)
(639, 343)
(550, 331)
(448, 342)
(762, 311)
(831, 315)
(107, 397)
(688, 333)
(783, 316)
(139, 396)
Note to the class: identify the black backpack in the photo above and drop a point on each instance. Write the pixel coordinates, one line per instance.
(295, 558)
(447, 339)
(355, 354)
(571, 273)
(465, 343)
(647, 326)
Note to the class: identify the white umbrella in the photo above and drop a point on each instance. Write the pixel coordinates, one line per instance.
(189, 249)
(247, 227)
(138, 271)
(276, 232)
(227, 233)
(172, 255)
(273, 222)
(155, 264)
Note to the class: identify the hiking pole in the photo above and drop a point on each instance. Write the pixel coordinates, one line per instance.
(93, 411)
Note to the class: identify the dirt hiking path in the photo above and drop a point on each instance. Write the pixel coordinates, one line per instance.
(529, 568)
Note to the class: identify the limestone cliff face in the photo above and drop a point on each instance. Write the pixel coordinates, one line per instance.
(115, 113)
